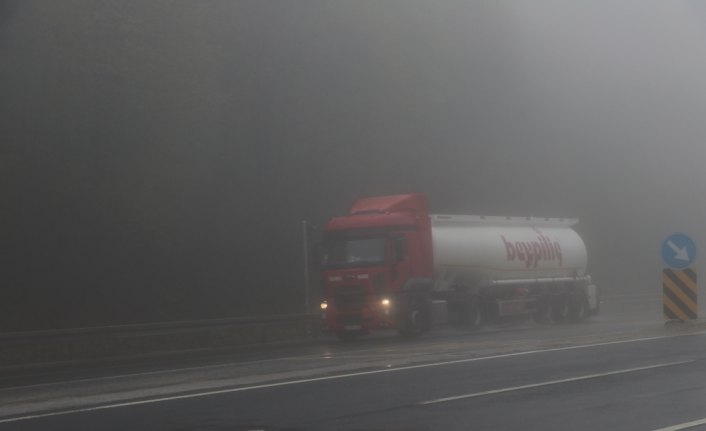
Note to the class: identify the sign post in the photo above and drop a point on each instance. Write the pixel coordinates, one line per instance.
(679, 281)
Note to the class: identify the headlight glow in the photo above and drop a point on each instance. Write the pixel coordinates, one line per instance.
(324, 305)
(385, 302)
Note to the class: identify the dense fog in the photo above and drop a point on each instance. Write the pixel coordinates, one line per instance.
(157, 158)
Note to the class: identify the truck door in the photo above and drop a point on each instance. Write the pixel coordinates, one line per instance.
(401, 263)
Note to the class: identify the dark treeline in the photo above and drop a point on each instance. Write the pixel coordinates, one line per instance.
(157, 158)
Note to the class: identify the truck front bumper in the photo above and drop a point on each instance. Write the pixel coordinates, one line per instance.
(357, 322)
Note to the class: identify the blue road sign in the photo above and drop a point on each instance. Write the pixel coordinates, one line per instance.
(678, 251)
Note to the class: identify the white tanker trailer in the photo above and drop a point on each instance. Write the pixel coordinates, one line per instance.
(388, 263)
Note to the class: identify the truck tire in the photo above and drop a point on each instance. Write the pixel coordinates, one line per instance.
(578, 309)
(415, 317)
(544, 311)
(560, 309)
(596, 311)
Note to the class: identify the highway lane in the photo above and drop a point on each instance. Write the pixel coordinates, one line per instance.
(571, 377)
(327, 346)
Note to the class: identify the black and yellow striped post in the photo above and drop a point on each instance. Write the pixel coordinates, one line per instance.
(679, 290)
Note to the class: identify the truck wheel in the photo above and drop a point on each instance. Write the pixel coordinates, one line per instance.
(544, 311)
(595, 311)
(578, 309)
(560, 309)
(416, 317)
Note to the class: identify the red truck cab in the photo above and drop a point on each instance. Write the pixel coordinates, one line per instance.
(370, 257)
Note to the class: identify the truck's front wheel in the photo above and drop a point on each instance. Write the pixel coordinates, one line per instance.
(415, 317)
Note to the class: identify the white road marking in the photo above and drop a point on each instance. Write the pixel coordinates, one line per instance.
(551, 382)
(319, 379)
(684, 426)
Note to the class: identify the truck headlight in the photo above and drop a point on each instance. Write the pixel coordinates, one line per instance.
(385, 306)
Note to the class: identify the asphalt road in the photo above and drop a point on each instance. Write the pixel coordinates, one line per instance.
(608, 374)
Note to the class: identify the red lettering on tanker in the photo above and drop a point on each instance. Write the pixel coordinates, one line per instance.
(532, 252)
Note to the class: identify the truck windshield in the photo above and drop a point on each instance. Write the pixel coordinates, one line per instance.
(350, 252)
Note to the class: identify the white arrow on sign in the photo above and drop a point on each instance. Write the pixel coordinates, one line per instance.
(682, 253)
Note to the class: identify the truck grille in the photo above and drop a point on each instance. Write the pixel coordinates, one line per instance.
(348, 298)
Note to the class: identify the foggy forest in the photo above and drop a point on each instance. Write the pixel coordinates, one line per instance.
(157, 158)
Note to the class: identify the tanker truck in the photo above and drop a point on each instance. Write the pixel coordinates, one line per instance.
(389, 264)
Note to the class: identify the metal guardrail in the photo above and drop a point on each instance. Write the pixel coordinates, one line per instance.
(80, 345)
(139, 327)
(84, 345)
(631, 296)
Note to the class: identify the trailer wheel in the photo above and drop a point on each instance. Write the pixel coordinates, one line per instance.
(596, 311)
(560, 309)
(544, 311)
(578, 309)
(415, 317)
